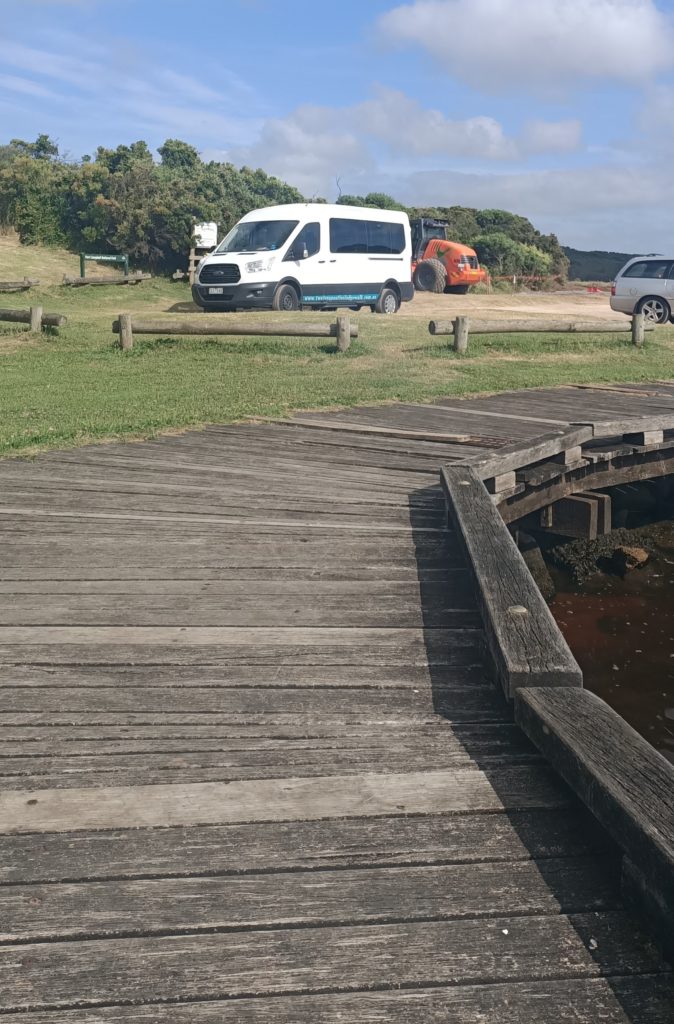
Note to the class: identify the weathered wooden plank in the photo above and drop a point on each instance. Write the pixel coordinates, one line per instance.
(359, 428)
(278, 846)
(615, 427)
(515, 456)
(525, 643)
(378, 677)
(470, 738)
(180, 968)
(371, 795)
(348, 704)
(624, 781)
(59, 609)
(646, 999)
(38, 913)
(333, 636)
(396, 750)
(416, 652)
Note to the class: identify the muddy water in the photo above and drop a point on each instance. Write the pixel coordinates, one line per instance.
(622, 634)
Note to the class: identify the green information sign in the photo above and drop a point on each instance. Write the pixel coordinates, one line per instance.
(119, 260)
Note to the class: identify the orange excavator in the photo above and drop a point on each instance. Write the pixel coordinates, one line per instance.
(439, 265)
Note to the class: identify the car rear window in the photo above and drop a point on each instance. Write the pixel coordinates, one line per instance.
(658, 269)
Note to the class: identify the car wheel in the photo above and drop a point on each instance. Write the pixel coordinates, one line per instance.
(286, 299)
(654, 309)
(388, 302)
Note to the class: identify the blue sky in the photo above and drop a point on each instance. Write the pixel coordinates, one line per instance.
(562, 110)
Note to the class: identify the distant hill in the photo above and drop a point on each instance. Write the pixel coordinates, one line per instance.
(595, 265)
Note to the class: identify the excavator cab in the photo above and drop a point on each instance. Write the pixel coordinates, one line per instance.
(440, 265)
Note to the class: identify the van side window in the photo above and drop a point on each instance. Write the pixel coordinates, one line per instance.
(385, 238)
(649, 269)
(366, 236)
(348, 235)
(309, 240)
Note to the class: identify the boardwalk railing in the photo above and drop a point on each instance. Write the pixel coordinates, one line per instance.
(127, 326)
(622, 779)
(461, 327)
(33, 316)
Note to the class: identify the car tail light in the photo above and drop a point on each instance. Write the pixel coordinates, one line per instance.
(613, 288)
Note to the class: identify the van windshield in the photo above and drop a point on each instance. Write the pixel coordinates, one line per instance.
(257, 236)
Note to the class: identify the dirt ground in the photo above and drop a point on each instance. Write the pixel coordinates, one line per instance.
(572, 304)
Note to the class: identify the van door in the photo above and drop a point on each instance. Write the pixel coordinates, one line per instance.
(366, 254)
(306, 262)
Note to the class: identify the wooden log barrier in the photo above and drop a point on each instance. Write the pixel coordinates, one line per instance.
(82, 282)
(462, 326)
(30, 316)
(18, 286)
(126, 326)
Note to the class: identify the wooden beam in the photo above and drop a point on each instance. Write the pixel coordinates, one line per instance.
(627, 785)
(524, 453)
(214, 325)
(82, 282)
(23, 316)
(514, 326)
(575, 516)
(630, 425)
(525, 643)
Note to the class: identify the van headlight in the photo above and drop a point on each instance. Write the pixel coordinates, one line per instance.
(259, 265)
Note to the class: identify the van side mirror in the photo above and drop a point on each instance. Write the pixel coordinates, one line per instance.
(302, 254)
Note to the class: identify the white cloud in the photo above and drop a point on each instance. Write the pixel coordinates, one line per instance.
(404, 125)
(556, 44)
(15, 83)
(315, 145)
(552, 136)
(307, 152)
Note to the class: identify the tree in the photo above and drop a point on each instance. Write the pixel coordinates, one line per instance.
(124, 157)
(179, 156)
(375, 200)
(43, 148)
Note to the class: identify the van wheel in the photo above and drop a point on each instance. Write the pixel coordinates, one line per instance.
(286, 299)
(388, 302)
(430, 276)
(655, 310)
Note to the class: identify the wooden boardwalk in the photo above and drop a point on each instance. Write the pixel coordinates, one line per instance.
(252, 764)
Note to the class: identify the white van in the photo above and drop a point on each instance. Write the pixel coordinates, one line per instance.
(312, 255)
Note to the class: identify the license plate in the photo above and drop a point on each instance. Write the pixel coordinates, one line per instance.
(215, 291)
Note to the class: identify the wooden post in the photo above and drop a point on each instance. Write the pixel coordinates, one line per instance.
(36, 319)
(125, 332)
(461, 334)
(343, 333)
(638, 327)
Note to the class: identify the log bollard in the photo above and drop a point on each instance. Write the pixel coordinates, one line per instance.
(461, 334)
(36, 319)
(638, 328)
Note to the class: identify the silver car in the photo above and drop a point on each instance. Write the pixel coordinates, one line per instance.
(646, 285)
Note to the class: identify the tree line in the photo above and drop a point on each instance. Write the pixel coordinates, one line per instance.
(124, 200)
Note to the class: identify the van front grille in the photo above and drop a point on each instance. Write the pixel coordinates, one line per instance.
(220, 273)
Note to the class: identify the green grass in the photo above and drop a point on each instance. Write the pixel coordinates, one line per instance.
(76, 387)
